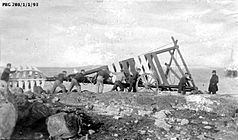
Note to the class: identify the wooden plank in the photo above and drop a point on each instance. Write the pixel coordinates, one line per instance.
(95, 70)
(111, 68)
(138, 63)
(186, 67)
(20, 84)
(170, 62)
(132, 65)
(114, 67)
(118, 67)
(176, 62)
(32, 82)
(144, 64)
(161, 71)
(174, 41)
(176, 75)
(124, 65)
(165, 50)
(149, 58)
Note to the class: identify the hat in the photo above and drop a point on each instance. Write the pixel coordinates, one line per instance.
(213, 71)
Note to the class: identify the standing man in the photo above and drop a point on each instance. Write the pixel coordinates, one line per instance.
(183, 83)
(120, 78)
(79, 77)
(133, 80)
(102, 76)
(6, 73)
(213, 88)
(59, 82)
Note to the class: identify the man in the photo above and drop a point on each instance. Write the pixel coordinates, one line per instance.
(183, 83)
(213, 88)
(79, 77)
(133, 79)
(6, 73)
(59, 82)
(120, 79)
(102, 75)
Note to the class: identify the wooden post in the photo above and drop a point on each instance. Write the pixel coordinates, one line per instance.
(175, 61)
(176, 75)
(170, 62)
(185, 66)
(144, 64)
(149, 58)
(161, 71)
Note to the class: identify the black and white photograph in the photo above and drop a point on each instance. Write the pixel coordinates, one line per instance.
(119, 69)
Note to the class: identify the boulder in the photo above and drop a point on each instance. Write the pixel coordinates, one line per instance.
(63, 125)
(8, 117)
(160, 119)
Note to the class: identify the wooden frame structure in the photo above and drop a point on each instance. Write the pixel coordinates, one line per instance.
(151, 65)
(155, 74)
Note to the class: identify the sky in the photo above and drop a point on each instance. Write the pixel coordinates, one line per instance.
(72, 33)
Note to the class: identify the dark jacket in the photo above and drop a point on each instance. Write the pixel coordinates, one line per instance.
(80, 77)
(213, 83)
(61, 77)
(183, 81)
(134, 77)
(5, 74)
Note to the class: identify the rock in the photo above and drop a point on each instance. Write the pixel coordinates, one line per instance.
(55, 99)
(84, 137)
(136, 121)
(205, 122)
(143, 113)
(29, 94)
(3, 86)
(142, 132)
(199, 102)
(184, 121)
(115, 135)
(16, 90)
(117, 117)
(177, 128)
(207, 127)
(38, 111)
(63, 125)
(8, 118)
(200, 117)
(38, 136)
(90, 132)
(160, 119)
(183, 132)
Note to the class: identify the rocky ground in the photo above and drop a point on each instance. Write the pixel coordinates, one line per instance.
(144, 116)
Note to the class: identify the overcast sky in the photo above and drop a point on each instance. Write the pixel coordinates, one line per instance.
(95, 32)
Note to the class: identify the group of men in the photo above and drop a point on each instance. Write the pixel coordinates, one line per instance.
(121, 78)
